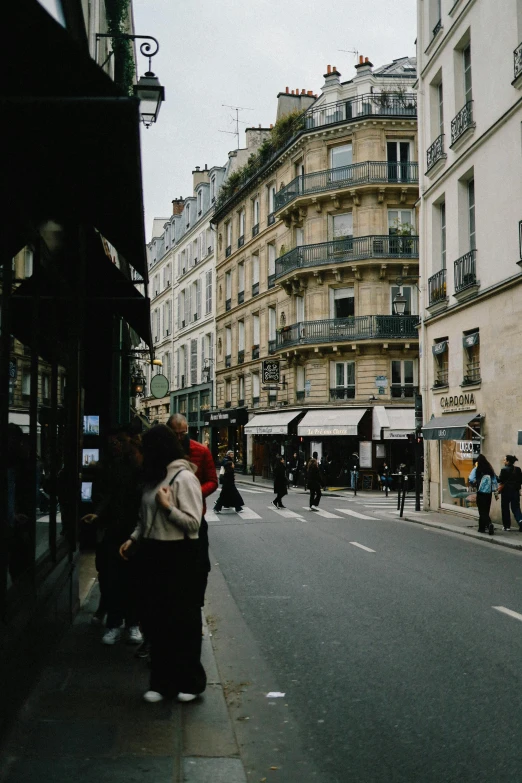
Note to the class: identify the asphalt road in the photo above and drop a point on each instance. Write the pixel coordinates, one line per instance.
(382, 635)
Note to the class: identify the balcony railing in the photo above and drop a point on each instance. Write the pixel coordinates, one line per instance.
(437, 27)
(472, 373)
(228, 304)
(465, 271)
(271, 280)
(228, 360)
(255, 230)
(241, 402)
(241, 297)
(517, 61)
(272, 346)
(228, 404)
(361, 327)
(241, 356)
(407, 391)
(348, 249)
(342, 393)
(376, 104)
(270, 219)
(300, 395)
(255, 402)
(437, 287)
(462, 121)
(366, 173)
(228, 251)
(255, 352)
(441, 377)
(241, 241)
(255, 289)
(435, 152)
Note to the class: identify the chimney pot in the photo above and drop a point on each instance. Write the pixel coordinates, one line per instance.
(334, 68)
(287, 90)
(366, 60)
(197, 168)
(328, 69)
(271, 126)
(292, 93)
(310, 92)
(361, 59)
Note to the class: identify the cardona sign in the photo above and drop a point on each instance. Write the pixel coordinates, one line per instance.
(458, 402)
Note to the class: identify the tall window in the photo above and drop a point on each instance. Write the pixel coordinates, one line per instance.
(242, 223)
(228, 341)
(228, 290)
(471, 214)
(471, 356)
(300, 382)
(299, 309)
(440, 351)
(200, 202)
(208, 292)
(271, 259)
(341, 156)
(255, 388)
(241, 390)
(255, 275)
(255, 330)
(229, 233)
(342, 226)
(241, 277)
(212, 188)
(255, 212)
(466, 56)
(343, 379)
(240, 335)
(442, 209)
(228, 392)
(187, 214)
(193, 362)
(271, 323)
(167, 366)
(342, 303)
(398, 156)
(271, 198)
(440, 96)
(299, 237)
(167, 318)
(402, 378)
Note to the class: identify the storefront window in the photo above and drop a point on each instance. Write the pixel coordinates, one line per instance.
(457, 459)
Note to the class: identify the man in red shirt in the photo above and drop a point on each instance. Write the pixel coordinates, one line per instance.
(201, 457)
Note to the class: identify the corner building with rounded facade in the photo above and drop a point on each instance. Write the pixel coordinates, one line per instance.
(312, 249)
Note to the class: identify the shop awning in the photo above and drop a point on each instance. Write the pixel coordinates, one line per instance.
(401, 422)
(271, 423)
(451, 427)
(331, 422)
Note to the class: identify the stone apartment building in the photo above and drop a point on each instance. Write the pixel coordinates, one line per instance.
(313, 246)
(470, 105)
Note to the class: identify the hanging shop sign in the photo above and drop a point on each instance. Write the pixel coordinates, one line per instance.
(458, 402)
(159, 386)
(271, 371)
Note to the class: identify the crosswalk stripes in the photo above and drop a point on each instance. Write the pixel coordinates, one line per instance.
(252, 491)
(285, 512)
(322, 513)
(247, 513)
(356, 514)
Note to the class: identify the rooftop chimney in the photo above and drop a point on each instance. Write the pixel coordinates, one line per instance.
(199, 176)
(364, 66)
(177, 205)
(331, 77)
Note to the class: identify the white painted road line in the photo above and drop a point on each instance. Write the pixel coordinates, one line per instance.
(354, 513)
(252, 491)
(286, 512)
(361, 546)
(510, 612)
(248, 513)
(211, 516)
(323, 513)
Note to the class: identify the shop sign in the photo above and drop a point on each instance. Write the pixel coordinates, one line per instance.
(458, 402)
(239, 416)
(467, 449)
(395, 435)
(314, 431)
(381, 381)
(271, 371)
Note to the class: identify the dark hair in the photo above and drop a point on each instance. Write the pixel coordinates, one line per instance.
(484, 467)
(160, 448)
(314, 455)
(511, 459)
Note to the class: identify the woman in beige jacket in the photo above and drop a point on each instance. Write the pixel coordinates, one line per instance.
(167, 541)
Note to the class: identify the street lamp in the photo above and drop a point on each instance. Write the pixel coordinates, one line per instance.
(399, 303)
(138, 382)
(148, 90)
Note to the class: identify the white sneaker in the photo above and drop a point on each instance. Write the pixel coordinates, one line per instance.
(152, 697)
(134, 635)
(111, 636)
(314, 508)
(187, 696)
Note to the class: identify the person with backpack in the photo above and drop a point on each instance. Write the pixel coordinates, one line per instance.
(510, 481)
(483, 476)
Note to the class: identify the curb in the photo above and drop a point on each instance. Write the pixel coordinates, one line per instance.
(460, 531)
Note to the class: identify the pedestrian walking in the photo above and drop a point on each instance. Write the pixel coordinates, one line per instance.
(314, 481)
(229, 495)
(167, 538)
(280, 482)
(510, 481)
(385, 477)
(483, 476)
(294, 466)
(200, 456)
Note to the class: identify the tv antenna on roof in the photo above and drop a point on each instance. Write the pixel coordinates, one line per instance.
(237, 109)
(350, 51)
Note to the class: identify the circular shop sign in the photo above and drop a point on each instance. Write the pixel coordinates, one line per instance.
(159, 386)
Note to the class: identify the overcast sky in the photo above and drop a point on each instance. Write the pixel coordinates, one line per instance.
(242, 53)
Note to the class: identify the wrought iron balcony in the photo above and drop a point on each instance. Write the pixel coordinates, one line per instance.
(255, 289)
(437, 287)
(228, 251)
(437, 27)
(407, 391)
(465, 271)
(271, 280)
(517, 61)
(255, 352)
(335, 330)
(376, 104)
(270, 219)
(228, 304)
(441, 377)
(342, 393)
(462, 122)
(241, 241)
(228, 404)
(241, 356)
(300, 395)
(349, 249)
(435, 152)
(255, 230)
(367, 173)
(228, 360)
(472, 373)
(241, 297)
(271, 346)
(255, 402)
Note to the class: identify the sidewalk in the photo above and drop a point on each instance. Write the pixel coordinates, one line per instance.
(449, 521)
(85, 721)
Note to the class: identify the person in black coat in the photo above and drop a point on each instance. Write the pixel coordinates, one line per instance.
(280, 482)
(229, 495)
(483, 468)
(510, 480)
(294, 466)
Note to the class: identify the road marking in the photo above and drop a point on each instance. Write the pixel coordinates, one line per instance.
(510, 612)
(252, 491)
(248, 513)
(211, 516)
(286, 512)
(354, 513)
(361, 546)
(323, 513)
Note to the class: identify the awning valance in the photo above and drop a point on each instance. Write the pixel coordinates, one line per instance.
(401, 422)
(331, 422)
(453, 427)
(271, 423)
(469, 340)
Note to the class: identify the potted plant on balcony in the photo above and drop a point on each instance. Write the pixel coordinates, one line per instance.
(401, 246)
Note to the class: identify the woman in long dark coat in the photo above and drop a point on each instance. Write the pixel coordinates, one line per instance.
(229, 493)
(280, 482)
